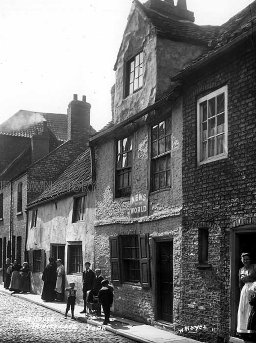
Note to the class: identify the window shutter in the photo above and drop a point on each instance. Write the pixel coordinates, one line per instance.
(42, 260)
(144, 261)
(30, 259)
(115, 260)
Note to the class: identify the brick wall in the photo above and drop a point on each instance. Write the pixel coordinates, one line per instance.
(217, 193)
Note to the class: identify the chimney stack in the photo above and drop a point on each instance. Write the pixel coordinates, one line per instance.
(167, 8)
(182, 4)
(79, 119)
(40, 143)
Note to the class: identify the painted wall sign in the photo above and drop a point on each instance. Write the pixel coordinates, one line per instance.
(138, 205)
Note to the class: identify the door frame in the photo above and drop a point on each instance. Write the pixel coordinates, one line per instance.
(234, 262)
(153, 241)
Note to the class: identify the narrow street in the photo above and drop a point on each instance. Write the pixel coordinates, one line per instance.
(22, 321)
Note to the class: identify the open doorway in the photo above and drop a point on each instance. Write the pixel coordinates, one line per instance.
(242, 240)
(164, 280)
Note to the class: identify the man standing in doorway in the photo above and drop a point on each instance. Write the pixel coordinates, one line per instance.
(88, 282)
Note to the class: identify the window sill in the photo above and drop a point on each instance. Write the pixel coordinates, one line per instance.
(204, 266)
(123, 199)
(161, 190)
(213, 159)
(1, 219)
(19, 213)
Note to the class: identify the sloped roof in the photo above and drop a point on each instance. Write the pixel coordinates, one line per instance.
(27, 123)
(234, 30)
(179, 30)
(17, 166)
(76, 178)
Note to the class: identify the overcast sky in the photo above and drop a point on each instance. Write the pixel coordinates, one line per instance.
(52, 49)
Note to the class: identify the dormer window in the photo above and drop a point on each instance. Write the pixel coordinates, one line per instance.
(134, 76)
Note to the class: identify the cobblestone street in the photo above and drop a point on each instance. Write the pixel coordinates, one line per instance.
(22, 321)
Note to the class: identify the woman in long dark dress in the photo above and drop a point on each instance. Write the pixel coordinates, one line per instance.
(15, 278)
(49, 277)
(24, 278)
(7, 273)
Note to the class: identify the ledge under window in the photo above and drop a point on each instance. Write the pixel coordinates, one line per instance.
(203, 266)
(1, 219)
(19, 213)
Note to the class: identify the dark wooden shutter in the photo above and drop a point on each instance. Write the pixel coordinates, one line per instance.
(115, 260)
(30, 260)
(43, 258)
(144, 261)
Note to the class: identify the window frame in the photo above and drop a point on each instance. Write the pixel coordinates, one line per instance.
(116, 260)
(75, 209)
(124, 192)
(159, 156)
(70, 246)
(33, 218)
(19, 198)
(58, 255)
(128, 261)
(128, 72)
(1, 206)
(207, 97)
(37, 262)
(203, 248)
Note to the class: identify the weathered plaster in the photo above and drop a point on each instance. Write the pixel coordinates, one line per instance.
(139, 35)
(54, 226)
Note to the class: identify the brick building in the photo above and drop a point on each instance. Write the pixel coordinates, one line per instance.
(61, 224)
(138, 163)
(27, 176)
(218, 176)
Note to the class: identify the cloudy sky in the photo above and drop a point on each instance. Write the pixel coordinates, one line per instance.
(52, 49)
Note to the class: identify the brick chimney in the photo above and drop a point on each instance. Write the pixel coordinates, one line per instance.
(167, 7)
(40, 143)
(79, 119)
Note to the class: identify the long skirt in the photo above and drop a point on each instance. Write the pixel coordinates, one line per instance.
(48, 293)
(15, 281)
(244, 309)
(7, 280)
(24, 282)
(60, 287)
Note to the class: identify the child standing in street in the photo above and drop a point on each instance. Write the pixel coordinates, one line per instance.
(106, 299)
(71, 299)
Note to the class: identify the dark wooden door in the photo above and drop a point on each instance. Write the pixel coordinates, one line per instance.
(164, 269)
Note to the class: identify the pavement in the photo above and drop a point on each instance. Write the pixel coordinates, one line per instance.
(138, 332)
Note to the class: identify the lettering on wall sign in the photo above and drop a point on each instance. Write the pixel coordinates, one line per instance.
(138, 205)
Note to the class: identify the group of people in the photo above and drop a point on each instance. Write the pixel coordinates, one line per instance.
(95, 289)
(16, 277)
(246, 317)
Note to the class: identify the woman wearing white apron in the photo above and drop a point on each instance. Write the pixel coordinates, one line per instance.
(247, 278)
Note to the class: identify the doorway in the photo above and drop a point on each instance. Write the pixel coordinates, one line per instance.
(242, 240)
(164, 281)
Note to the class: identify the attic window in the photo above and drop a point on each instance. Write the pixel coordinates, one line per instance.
(134, 75)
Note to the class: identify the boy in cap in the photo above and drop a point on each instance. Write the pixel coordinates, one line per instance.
(106, 299)
(71, 299)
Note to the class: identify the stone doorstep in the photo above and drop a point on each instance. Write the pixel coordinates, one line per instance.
(126, 328)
